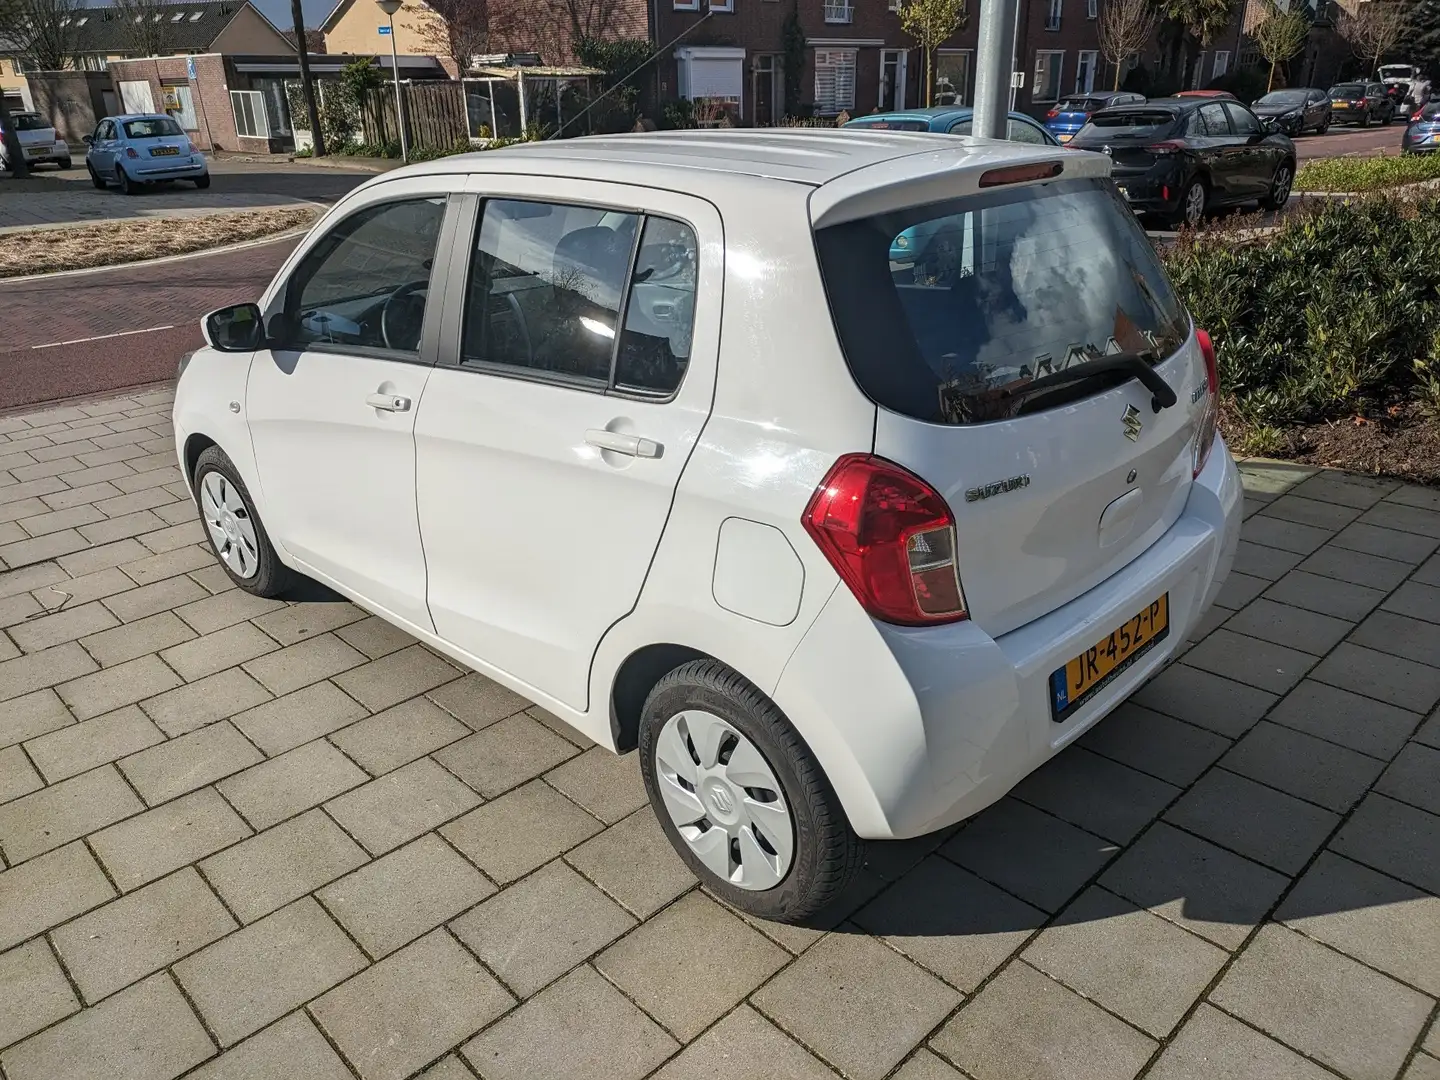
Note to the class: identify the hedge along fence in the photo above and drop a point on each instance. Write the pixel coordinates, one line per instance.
(1334, 309)
(1359, 174)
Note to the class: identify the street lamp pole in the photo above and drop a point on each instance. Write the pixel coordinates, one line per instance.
(390, 7)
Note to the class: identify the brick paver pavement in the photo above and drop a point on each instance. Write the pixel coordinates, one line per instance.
(241, 838)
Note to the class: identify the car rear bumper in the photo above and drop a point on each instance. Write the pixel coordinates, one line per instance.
(161, 169)
(946, 720)
(1151, 191)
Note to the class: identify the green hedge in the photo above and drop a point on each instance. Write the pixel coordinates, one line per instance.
(1334, 309)
(1350, 174)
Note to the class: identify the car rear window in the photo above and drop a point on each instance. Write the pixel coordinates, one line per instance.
(30, 122)
(892, 125)
(1127, 125)
(945, 310)
(1347, 90)
(157, 128)
(1431, 111)
(1082, 105)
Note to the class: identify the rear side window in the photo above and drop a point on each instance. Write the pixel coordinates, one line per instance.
(945, 310)
(1127, 125)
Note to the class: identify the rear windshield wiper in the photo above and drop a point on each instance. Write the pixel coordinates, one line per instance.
(1135, 365)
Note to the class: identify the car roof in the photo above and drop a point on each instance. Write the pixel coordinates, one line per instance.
(671, 159)
(122, 117)
(934, 114)
(1172, 103)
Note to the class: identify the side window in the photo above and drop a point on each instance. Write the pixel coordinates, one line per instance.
(365, 284)
(1213, 117)
(546, 284)
(105, 131)
(1021, 132)
(960, 127)
(660, 312)
(1243, 120)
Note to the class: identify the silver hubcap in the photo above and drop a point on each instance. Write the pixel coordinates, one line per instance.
(232, 529)
(1282, 184)
(724, 799)
(1195, 205)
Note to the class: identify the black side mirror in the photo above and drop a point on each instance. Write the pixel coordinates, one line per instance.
(235, 329)
(88, 140)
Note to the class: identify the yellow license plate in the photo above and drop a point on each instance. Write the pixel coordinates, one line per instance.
(1087, 674)
(1064, 138)
(165, 151)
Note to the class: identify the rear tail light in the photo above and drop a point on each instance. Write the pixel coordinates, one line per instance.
(130, 152)
(1169, 146)
(891, 538)
(1205, 439)
(1052, 114)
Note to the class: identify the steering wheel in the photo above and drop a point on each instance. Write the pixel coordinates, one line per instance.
(522, 330)
(404, 302)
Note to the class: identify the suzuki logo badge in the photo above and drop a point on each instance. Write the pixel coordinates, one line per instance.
(1131, 420)
(721, 798)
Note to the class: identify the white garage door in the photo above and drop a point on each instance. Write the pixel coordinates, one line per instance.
(135, 97)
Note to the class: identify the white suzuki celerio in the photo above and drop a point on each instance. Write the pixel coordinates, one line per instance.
(847, 476)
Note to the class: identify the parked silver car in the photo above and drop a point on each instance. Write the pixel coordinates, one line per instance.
(38, 141)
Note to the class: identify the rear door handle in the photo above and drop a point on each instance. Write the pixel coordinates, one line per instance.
(629, 445)
(388, 402)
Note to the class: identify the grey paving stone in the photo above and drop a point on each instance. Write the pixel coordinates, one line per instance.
(541, 927)
(259, 973)
(146, 600)
(118, 528)
(1408, 519)
(1380, 921)
(655, 965)
(411, 1007)
(519, 831)
(1058, 858)
(149, 499)
(212, 613)
(118, 686)
(1259, 561)
(1239, 589)
(741, 1042)
(1304, 766)
(396, 677)
(1429, 733)
(8, 649)
(1096, 794)
(412, 890)
(1351, 720)
(214, 652)
(398, 735)
(147, 1032)
(32, 715)
(101, 585)
(1136, 964)
(14, 610)
(1424, 1067)
(478, 701)
(131, 640)
(449, 1067)
(55, 815)
(1293, 627)
(1325, 595)
(1258, 663)
(1399, 635)
(70, 624)
(194, 705)
(141, 933)
(559, 727)
(80, 747)
(1272, 531)
(297, 718)
(505, 755)
(42, 548)
(1195, 884)
(577, 1029)
(1378, 675)
(1215, 703)
(374, 637)
(1387, 543)
(1414, 777)
(48, 890)
(610, 861)
(272, 868)
(1429, 572)
(1256, 821)
(25, 674)
(1414, 495)
(181, 765)
(1307, 511)
(401, 805)
(303, 663)
(299, 621)
(159, 841)
(31, 577)
(1394, 838)
(296, 780)
(36, 992)
(17, 776)
(1063, 1034)
(606, 784)
(1213, 1046)
(1154, 743)
(292, 1047)
(1415, 599)
(92, 559)
(1323, 1004)
(925, 1065)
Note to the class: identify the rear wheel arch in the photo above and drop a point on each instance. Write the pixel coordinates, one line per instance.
(634, 680)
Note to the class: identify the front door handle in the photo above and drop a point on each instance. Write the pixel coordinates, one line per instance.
(629, 445)
(388, 402)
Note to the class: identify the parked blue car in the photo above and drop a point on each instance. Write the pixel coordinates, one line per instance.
(933, 246)
(138, 149)
(1422, 133)
(1070, 115)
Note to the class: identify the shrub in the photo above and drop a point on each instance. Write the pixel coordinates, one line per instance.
(1366, 174)
(1331, 311)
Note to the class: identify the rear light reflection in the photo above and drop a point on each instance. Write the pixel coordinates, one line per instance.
(1019, 174)
(1205, 438)
(1169, 146)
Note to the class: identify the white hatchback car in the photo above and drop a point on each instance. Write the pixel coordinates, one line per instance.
(652, 430)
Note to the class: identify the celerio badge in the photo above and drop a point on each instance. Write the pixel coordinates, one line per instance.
(1131, 420)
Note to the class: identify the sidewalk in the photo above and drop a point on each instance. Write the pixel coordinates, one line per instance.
(289, 841)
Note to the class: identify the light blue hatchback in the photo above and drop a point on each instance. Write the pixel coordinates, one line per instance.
(137, 149)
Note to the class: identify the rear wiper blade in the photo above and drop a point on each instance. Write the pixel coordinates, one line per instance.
(1133, 364)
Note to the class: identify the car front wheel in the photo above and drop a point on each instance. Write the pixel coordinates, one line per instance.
(741, 797)
(236, 533)
(95, 178)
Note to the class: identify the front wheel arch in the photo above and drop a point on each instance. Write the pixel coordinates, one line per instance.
(195, 445)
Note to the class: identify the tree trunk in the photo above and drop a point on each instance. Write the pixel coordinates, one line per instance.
(14, 153)
(1271, 84)
(929, 75)
(307, 84)
(1118, 68)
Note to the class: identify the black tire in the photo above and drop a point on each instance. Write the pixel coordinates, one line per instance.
(827, 851)
(95, 178)
(65, 164)
(202, 182)
(1181, 216)
(128, 186)
(1365, 120)
(272, 577)
(1280, 185)
(1323, 129)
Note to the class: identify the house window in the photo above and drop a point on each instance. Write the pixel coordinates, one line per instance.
(16, 66)
(712, 73)
(839, 11)
(1048, 66)
(952, 77)
(834, 81)
(82, 20)
(249, 109)
(1197, 76)
(177, 16)
(1085, 71)
(722, 5)
(894, 5)
(1092, 9)
(1052, 17)
(196, 16)
(687, 5)
(1222, 62)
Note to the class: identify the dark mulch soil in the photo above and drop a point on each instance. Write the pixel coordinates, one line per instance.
(1402, 442)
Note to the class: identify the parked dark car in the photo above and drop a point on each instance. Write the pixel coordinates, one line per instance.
(1070, 115)
(1224, 95)
(1296, 111)
(1422, 133)
(1361, 103)
(1179, 157)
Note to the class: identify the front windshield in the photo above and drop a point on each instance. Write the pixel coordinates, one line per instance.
(158, 127)
(1283, 97)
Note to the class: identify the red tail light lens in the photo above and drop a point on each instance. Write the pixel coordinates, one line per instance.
(1205, 439)
(891, 538)
(1169, 146)
(130, 152)
(1052, 114)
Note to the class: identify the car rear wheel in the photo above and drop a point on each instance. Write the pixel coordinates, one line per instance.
(1279, 192)
(1191, 211)
(202, 182)
(237, 536)
(1365, 120)
(64, 163)
(741, 798)
(128, 186)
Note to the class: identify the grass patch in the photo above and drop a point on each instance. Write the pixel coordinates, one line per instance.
(44, 251)
(1366, 173)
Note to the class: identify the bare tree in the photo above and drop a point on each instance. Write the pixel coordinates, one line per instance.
(1373, 28)
(930, 23)
(1125, 27)
(459, 29)
(1279, 35)
(145, 26)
